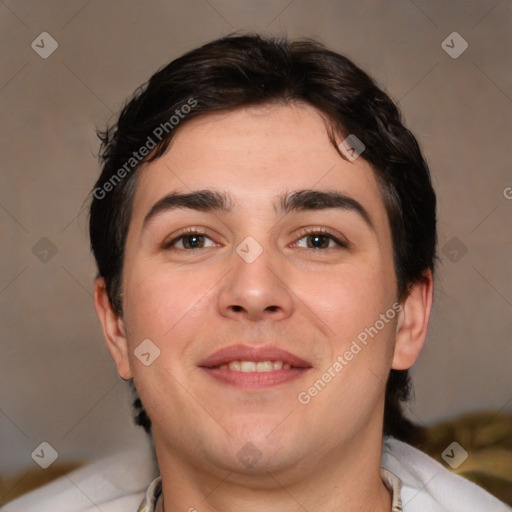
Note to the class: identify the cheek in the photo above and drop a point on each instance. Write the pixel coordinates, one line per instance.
(169, 309)
(356, 304)
(160, 302)
(352, 294)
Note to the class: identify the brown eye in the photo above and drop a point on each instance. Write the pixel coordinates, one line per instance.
(189, 240)
(315, 239)
(318, 241)
(193, 241)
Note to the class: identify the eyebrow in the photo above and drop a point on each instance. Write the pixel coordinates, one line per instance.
(299, 200)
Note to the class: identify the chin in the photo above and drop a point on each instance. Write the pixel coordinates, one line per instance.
(262, 448)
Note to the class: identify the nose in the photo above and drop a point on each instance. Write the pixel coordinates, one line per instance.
(255, 289)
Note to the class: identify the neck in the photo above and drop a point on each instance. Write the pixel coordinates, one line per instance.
(348, 479)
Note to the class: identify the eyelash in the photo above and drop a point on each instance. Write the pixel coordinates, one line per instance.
(323, 232)
(303, 233)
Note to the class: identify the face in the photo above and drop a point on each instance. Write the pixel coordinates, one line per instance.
(269, 300)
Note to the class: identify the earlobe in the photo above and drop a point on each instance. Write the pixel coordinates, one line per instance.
(413, 322)
(113, 329)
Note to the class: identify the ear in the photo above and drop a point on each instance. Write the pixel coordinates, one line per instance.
(412, 323)
(113, 329)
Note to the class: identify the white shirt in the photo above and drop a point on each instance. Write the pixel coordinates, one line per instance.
(119, 484)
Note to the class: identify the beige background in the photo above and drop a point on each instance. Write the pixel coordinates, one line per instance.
(56, 379)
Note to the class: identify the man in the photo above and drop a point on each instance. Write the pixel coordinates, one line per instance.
(265, 233)
(265, 278)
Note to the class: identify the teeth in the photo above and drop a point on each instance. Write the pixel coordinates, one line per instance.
(264, 366)
(252, 366)
(247, 366)
(235, 366)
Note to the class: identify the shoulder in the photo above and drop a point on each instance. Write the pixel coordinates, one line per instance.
(427, 486)
(114, 484)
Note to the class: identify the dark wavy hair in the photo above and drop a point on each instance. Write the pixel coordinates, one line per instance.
(248, 70)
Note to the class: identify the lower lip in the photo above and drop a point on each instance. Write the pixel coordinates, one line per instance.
(256, 380)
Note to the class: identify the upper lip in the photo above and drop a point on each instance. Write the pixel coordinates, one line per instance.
(245, 353)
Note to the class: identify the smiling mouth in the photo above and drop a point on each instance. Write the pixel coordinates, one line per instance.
(254, 366)
(255, 375)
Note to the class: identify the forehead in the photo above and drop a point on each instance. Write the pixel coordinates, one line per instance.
(255, 154)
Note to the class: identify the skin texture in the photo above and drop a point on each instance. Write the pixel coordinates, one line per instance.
(310, 302)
